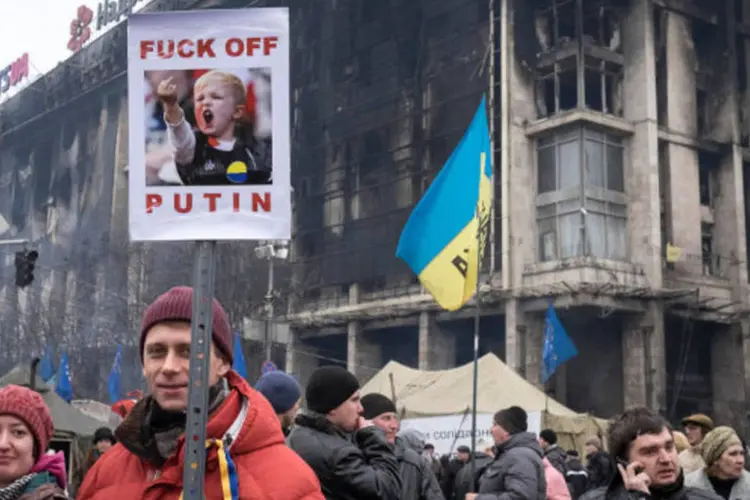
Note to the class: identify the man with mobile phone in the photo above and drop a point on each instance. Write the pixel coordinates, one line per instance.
(641, 443)
(350, 455)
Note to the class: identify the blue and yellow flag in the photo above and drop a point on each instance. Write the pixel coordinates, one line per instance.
(444, 239)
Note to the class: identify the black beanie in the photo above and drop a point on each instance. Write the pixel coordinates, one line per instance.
(104, 434)
(376, 404)
(549, 435)
(328, 387)
(512, 419)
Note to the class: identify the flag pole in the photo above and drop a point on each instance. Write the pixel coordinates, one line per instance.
(475, 382)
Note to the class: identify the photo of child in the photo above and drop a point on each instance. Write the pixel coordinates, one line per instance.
(216, 135)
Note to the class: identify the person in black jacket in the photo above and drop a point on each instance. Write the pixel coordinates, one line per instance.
(599, 465)
(483, 457)
(552, 451)
(350, 456)
(417, 480)
(576, 475)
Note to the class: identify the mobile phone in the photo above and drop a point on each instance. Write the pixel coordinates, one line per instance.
(625, 464)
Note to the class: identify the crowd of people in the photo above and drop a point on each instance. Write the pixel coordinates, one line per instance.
(343, 445)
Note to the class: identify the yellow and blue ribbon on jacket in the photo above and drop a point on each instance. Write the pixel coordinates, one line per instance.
(230, 486)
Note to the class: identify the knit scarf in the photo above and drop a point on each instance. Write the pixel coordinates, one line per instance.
(14, 490)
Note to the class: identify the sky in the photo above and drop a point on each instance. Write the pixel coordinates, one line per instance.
(40, 28)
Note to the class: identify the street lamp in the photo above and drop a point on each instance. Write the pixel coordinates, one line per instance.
(271, 250)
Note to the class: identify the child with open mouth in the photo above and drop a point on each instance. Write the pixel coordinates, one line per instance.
(212, 155)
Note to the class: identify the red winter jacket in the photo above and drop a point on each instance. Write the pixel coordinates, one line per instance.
(266, 468)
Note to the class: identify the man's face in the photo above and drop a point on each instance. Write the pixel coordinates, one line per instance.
(103, 445)
(658, 455)
(346, 416)
(694, 434)
(462, 456)
(388, 422)
(590, 448)
(166, 364)
(543, 443)
(216, 109)
(499, 434)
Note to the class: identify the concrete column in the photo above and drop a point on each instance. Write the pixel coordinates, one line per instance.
(643, 360)
(437, 344)
(514, 337)
(727, 369)
(633, 366)
(639, 96)
(683, 196)
(301, 359)
(363, 353)
(534, 345)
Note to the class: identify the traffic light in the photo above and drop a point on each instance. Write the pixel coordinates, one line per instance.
(25, 261)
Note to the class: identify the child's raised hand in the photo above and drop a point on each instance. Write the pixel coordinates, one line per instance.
(167, 92)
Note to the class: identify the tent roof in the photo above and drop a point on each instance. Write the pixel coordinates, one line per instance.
(425, 393)
(66, 418)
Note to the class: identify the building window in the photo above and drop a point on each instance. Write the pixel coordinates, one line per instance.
(581, 204)
(708, 164)
(710, 261)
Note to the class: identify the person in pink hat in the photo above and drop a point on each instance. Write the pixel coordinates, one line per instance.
(26, 429)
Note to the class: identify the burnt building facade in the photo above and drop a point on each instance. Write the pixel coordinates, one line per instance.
(620, 138)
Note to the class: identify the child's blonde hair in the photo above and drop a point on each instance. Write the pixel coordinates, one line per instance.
(239, 92)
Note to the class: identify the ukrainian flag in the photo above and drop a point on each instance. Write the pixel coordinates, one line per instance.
(444, 238)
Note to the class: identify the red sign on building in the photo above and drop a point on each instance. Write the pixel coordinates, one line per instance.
(11, 75)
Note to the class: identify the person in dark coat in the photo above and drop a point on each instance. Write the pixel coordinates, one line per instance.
(642, 444)
(576, 475)
(517, 471)
(104, 439)
(351, 457)
(452, 468)
(414, 440)
(417, 480)
(599, 465)
(482, 458)
(552, 452)
(283, 392)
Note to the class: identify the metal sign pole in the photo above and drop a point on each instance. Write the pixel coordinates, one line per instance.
(193, 474)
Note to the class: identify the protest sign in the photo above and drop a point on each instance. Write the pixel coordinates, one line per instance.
(209, 125)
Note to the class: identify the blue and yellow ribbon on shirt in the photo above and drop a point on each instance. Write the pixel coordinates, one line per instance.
(230, 486)
(443, 241)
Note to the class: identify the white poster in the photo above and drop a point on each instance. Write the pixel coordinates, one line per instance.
(446, 433)
(209, 125)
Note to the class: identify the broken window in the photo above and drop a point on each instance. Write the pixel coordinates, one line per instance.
(707, 167)
(710, 261)
(581, 204)
(601, 25)
(603, 86)
(562, 73)
(557, 88)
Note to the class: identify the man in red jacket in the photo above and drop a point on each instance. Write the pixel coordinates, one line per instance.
(248, 448)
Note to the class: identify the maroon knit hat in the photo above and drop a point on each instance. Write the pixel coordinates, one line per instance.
(29, 406)
(177, 305)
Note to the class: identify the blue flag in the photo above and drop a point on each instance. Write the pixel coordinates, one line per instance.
(63, 387)
(114, 381)
(558, 347)
(443, 241)
(46, 367)
(239, 357)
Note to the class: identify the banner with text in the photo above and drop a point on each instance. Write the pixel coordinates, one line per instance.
(209, 125)
(448, 432)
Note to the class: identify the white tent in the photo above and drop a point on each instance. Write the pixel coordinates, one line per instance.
(421, 394)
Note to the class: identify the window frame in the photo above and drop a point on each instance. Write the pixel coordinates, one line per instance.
(583, 198)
